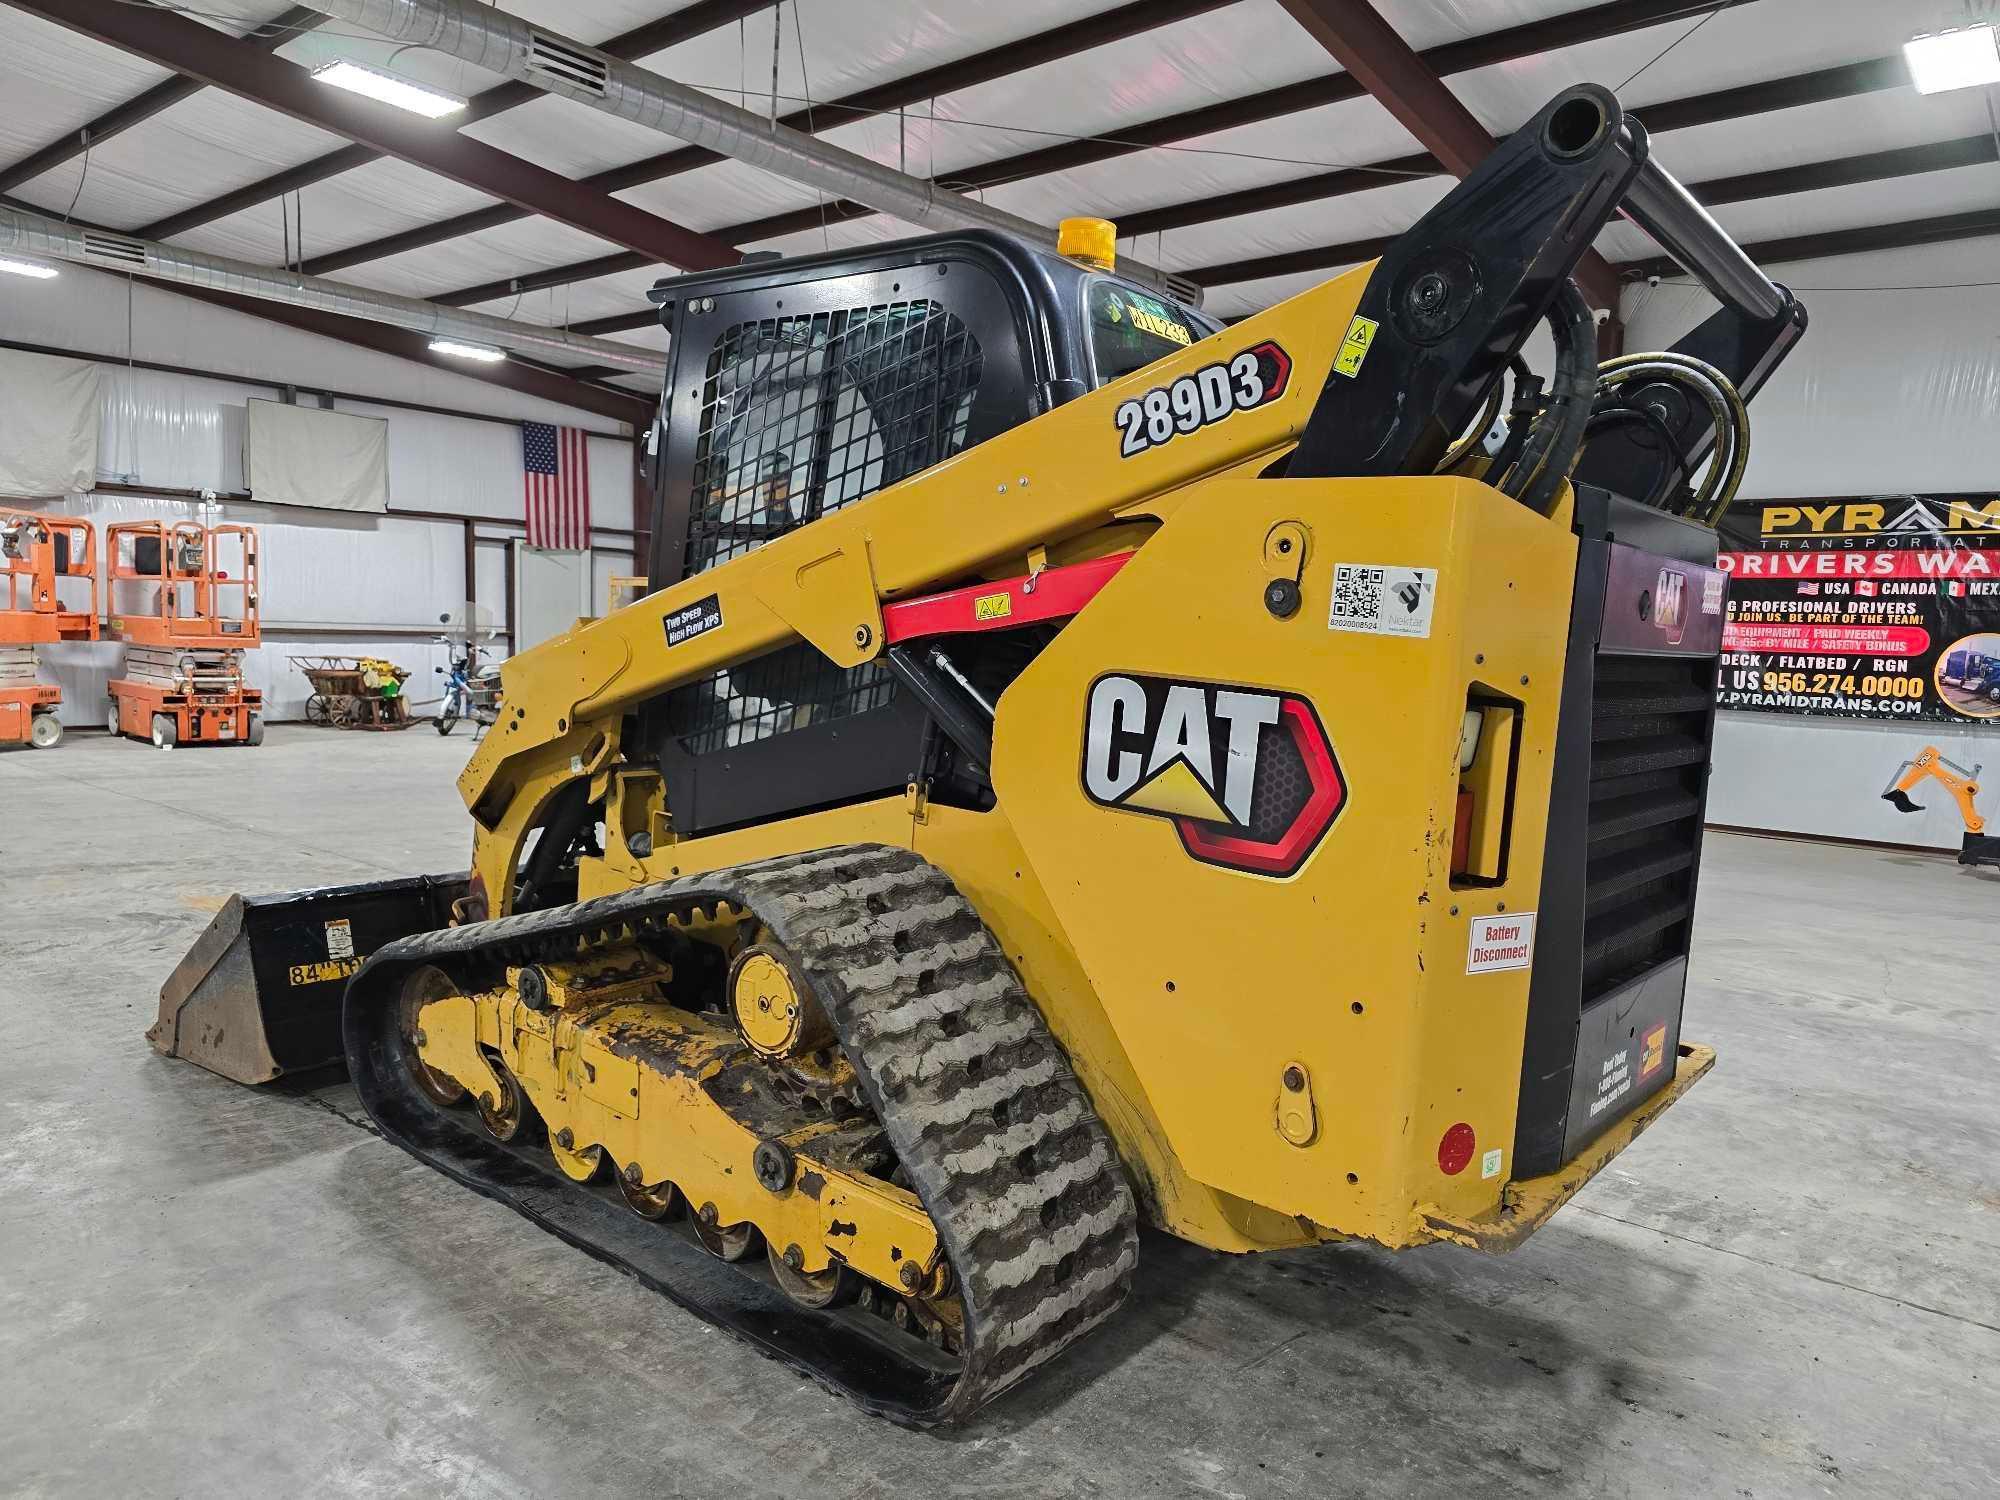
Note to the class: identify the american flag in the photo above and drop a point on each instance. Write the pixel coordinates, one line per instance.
(555, 464)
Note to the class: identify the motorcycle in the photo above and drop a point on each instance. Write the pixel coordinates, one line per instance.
(469, 693)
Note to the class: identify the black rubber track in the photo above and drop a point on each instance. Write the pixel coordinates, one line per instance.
(995, 1133)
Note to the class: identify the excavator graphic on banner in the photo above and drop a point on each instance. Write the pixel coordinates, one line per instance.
(1931, 764)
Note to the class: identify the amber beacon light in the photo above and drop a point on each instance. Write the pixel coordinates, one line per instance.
(1092, 241)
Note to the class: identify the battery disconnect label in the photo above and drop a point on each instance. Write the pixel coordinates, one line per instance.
(1502, 942)
(1378, 599)
(691, 620)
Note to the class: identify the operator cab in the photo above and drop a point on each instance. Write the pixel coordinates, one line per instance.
(798, 386)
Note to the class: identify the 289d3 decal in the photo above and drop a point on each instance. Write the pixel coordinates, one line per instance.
(1193, 401)
(1246, 775)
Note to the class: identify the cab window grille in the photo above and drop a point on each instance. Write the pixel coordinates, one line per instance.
(800, 417)
(787, 689)
(804, 415)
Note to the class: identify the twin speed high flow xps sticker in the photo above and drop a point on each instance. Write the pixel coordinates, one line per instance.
(1246, 775)
(1202, 397)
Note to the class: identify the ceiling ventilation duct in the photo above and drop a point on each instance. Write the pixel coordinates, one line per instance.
(31, 234)
(507, 45)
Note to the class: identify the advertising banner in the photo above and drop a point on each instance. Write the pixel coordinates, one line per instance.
(1883, 607)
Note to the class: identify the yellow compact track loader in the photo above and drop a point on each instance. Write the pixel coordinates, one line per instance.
(1080, 766)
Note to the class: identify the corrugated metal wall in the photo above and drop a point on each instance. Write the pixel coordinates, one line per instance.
(333, 583)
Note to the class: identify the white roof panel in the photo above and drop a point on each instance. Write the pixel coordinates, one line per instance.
(55, 82)
(211, 143)
(202, 146)
(384, 197)
(492, 254)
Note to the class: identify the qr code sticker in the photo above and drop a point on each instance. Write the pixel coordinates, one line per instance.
(1378, 599)
(1357, 597)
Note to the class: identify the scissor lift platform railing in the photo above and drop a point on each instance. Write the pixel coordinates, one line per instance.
(184, 599)
(48, 594)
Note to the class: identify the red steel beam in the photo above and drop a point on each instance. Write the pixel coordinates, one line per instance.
(1368, 47)
(243, 69)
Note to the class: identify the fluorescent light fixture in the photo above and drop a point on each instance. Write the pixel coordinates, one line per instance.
(418, 98)
(1960, 59)
(484, 353)
(34, 268)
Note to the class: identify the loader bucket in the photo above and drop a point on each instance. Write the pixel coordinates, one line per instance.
(259, 993)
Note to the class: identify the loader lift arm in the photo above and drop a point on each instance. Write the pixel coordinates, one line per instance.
(1455, 302)
(835, 894)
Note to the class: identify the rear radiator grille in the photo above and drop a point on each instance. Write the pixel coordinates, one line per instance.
(1649, 752)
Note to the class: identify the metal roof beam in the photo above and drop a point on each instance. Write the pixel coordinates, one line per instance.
(268, 37)
(981, 67)
(1368, 47)
(641, 41)
(514, 374)
(1777, 182)
(1590, 24)
(1742, 102)
(250, 73)
(1976, 224)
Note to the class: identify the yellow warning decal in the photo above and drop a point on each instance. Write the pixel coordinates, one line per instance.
(992, 606)
(1354, 348)
(320, 973)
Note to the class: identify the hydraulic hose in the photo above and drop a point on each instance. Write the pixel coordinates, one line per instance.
(1552, 448)
(1731, 418)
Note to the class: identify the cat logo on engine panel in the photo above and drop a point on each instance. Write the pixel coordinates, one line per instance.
(1246, 775)
(1202, 397)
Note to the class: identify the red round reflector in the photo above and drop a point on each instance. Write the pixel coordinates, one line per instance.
(1455, 1150)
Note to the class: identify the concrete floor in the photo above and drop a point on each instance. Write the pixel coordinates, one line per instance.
(1791, 1288)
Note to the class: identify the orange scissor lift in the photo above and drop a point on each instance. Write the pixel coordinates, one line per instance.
(184, 600)
(38, 555)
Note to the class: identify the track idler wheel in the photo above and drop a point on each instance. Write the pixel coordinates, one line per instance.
(773, 1006)
(731, 1242)
(423, 986)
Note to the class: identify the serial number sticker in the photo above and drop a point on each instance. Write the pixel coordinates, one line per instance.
(320, 973)
(1354, 348)
(340, 938)
(992, 606)
(1380, 599)
(691, 620)
(1201, 398)
(1502, 942)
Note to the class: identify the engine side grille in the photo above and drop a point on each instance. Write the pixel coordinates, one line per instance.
(1649, 753)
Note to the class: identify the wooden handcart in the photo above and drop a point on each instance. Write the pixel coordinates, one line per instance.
(342, 698)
